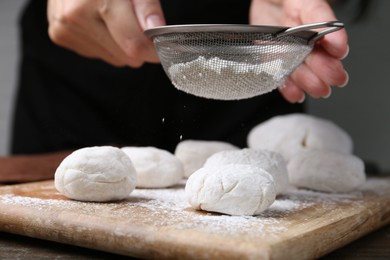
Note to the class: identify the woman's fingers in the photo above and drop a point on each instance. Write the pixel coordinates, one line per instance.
(309, 82)
(292, 92)
(149, 13)
(312, 11)
(327, 68)
(315, 77)
(336, 44)
(127, 30)
(109, 30)
(323, 67)
(74, 25)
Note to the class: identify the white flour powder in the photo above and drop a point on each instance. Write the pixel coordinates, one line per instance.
(168, 209)
(220, 66)
(222, 79)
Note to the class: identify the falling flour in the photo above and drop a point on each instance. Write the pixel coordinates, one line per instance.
(216, 78)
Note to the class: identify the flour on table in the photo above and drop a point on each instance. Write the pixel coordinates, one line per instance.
(168, 208)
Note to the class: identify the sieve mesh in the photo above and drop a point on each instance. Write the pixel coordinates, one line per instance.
(230, 64)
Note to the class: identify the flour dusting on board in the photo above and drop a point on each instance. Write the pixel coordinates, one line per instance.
(168, 209)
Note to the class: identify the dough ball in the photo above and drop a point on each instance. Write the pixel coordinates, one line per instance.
(234, 189)
(327, 171)
(101, 173)
(293, 133)
(194, 153)
(156, 168)
(271, 162)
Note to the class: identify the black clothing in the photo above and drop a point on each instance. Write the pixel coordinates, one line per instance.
(66, 101)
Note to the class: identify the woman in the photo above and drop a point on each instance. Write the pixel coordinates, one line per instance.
(103, 86)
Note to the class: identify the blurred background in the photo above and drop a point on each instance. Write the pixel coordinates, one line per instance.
(361, 108)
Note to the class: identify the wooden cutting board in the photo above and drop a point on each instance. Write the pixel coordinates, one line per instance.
(158, 223)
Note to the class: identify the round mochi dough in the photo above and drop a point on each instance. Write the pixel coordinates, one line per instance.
(101, 173)
(194, 153)
(233, 189)
(293, 133)
(271, 162)
(156, 168)
(326, 171)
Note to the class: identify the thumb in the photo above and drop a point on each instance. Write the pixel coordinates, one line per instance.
(149, 13)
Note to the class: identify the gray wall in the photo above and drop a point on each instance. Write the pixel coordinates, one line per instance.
(9, 10)
(361, 108)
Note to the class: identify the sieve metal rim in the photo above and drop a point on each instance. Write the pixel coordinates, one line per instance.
(303, 31)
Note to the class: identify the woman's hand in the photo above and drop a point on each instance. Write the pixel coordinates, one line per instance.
(106, 29)
(323, 68)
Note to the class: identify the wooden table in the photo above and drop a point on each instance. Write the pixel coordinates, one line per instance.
(373, 246)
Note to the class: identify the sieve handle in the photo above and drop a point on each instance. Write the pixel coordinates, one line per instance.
(331, 27)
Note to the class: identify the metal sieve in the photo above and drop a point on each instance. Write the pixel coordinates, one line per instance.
(229, 62)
